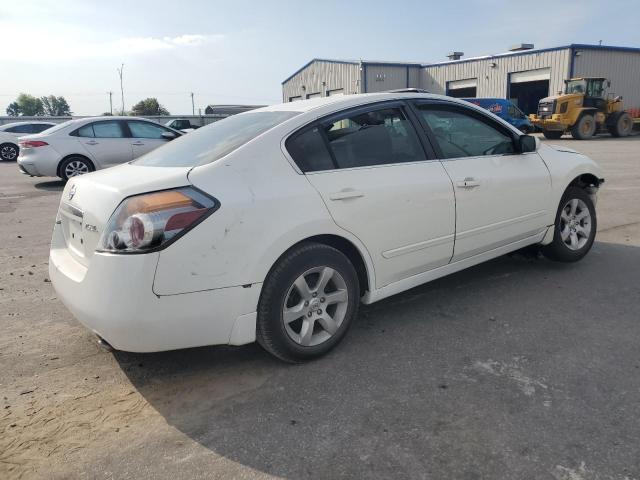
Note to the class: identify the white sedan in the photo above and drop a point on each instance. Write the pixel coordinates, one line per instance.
(81, 146)
(275, 224)
(11, 132)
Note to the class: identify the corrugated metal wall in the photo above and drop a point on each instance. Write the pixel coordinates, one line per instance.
(335, 75)
(493, 81)
(389, 77)
(622, 68)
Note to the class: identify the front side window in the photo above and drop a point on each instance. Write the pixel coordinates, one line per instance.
(460, 134)
(146, 130)
(376, 137)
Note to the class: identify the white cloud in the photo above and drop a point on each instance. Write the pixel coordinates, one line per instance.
(40, 46)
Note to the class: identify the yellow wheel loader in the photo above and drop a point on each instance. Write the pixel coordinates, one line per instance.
(584, 110)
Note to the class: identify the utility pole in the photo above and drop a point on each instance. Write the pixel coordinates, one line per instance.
(193, 107)
(110, 102)
(120, 70)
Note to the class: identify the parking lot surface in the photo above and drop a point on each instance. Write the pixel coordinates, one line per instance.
(519, 368)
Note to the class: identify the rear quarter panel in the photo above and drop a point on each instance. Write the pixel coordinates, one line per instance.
(266, 207)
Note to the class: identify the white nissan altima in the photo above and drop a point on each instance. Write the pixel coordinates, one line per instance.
(273, 225)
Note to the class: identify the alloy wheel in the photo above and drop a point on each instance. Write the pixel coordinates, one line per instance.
(575, 224)
(8, 152)
(315, 306)
(75, 168)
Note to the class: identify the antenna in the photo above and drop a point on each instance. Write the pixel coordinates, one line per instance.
(120, 70)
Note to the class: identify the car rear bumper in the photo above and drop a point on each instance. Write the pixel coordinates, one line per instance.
(113, 297)
(39, 162)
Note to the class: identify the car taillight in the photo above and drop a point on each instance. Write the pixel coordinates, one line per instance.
(151, 221)
(32, 143)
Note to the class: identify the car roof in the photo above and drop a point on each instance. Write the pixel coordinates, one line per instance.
(346, 101)
(27, 122)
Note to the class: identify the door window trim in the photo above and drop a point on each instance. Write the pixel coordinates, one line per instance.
(425, 146)
(455, 107)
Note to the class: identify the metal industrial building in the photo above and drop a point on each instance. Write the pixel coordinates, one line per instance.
(523, 74)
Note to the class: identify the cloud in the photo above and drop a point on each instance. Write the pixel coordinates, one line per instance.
(46, 47)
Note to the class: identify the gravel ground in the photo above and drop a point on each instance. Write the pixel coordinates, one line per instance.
(518, 368)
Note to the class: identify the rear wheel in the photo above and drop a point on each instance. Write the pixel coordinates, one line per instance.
(307, 303)
(74, 166)
(9, 152)
(575, 227)
(584, 128)
(552, 134)
(621, 124)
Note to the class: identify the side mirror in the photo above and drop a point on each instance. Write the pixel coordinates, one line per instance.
(168, 135)
(528, 143)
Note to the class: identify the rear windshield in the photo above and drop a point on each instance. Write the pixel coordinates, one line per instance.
(208, 144)
(60, 126)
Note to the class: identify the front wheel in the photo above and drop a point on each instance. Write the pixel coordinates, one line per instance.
(8, 152)
(307, 303)
(575, 227)
(584, 128)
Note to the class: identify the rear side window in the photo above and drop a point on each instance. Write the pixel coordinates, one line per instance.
(210, 143)
(26, 128)
(108, 130)
(86, 131)
(309, 151)
(40, 127)
(376, 137)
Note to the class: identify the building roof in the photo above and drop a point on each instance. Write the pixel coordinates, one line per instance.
(575, 46)
(353, 62)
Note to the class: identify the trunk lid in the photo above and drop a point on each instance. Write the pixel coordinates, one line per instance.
(89, 200)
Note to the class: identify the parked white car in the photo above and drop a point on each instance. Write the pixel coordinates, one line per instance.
(11, 132)
(273, 225)
(81, 146)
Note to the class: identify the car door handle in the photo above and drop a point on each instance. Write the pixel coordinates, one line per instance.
(137, 143)
(92, 142)
(468, 182)
(346, 194)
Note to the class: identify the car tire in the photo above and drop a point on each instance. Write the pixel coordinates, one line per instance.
(621, 124)
(75, 165)
(9, 152)
(307, 303)
(585, 128)
(575, 227)
(552, 134)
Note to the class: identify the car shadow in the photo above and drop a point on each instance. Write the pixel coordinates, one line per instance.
(51, 186)
(477, 373)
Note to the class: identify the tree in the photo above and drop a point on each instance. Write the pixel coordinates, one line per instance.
(55, 106)
(26, 105)
(149, 106)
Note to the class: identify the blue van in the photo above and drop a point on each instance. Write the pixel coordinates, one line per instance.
(505, 110)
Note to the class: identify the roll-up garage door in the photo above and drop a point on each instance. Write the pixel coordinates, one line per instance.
(466, 88)
(528, 87)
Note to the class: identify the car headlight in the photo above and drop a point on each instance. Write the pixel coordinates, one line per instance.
(152, 221)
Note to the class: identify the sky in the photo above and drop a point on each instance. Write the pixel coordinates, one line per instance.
(238, 51)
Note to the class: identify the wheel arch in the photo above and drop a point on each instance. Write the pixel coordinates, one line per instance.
(348, 248)
(67, 157)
